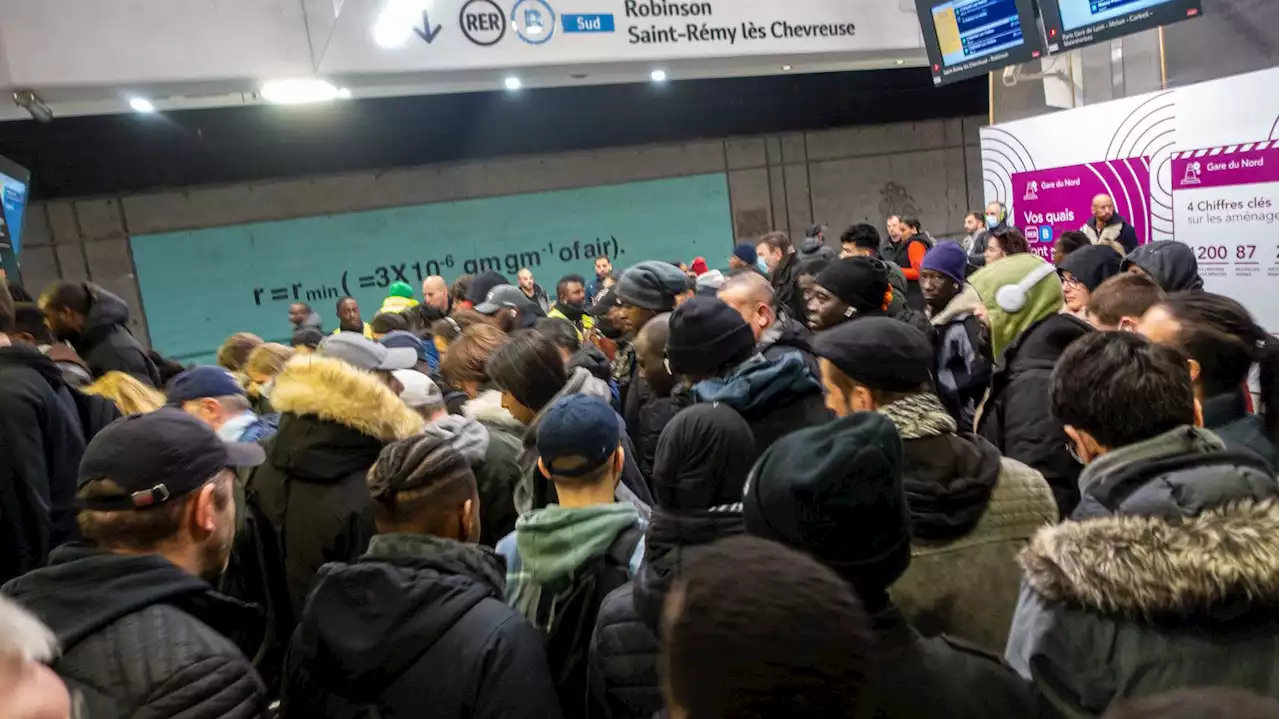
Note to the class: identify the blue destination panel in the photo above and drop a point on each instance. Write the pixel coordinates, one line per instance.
(588, 23)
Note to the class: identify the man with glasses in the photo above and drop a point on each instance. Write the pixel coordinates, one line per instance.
(140, 628)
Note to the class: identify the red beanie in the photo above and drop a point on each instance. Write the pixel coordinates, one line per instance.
(699, 266)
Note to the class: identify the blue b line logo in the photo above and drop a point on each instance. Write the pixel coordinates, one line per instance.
(534, 21)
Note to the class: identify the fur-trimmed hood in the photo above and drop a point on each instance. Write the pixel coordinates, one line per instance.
(1211, 565)
(335, 391)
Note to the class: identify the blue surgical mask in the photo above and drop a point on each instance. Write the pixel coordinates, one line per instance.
(761, 264)
(992, 222)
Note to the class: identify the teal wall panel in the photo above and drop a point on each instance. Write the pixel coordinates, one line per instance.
(200, 286)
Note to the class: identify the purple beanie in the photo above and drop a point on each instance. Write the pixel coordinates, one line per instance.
(947, 258)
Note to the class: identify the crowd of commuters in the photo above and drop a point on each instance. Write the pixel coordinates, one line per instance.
(850, 476)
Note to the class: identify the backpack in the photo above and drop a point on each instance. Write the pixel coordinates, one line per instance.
(574, 620)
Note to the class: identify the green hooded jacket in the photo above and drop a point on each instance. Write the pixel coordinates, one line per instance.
(1044, 299)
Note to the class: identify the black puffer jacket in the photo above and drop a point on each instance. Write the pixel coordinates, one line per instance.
(334, 421)
(624, 648)
(106, 344)
(417, 627)
(41, 442)
(1015, 416)
(1229, 418)
(142, 638)
(788, 299)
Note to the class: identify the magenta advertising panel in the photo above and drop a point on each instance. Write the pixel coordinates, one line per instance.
(1048, 202)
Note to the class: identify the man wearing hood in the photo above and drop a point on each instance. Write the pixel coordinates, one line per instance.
(752, 296)
(835, 492)
(531, 375)
(418, 625)
(1169, 262)
(703, 460)
(95, 322)
(336, 414)
(1165, 575)
(142, 632)
(563, 559)
(41, 441)
(971, 510)
(715, 351)
(1107, 227)
(1022, 303)
(962, 368)
(814, 245)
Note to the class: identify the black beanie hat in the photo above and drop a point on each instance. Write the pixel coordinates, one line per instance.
(1091, 266)
(835, 492)
(879, 352)
(706, 334)
(652, 285)
(860, 282)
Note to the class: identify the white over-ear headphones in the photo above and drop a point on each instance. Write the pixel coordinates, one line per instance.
(1011, 298)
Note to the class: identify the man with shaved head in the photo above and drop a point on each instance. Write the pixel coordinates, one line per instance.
(1108, 227)
(752, 296)
(435, 293)
(660, 407)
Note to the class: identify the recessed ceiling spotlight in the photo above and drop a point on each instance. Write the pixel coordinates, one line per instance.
(786, 68)
(512, 83)
(658, 76)
(899, 62)
(142, 105)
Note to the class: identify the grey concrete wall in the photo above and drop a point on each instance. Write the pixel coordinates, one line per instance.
(786, 182)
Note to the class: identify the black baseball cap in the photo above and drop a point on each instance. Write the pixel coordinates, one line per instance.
(158, 456)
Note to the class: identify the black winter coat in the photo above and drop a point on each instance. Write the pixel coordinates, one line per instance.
(106, 344)
(1237, 427)
(416, 628)
(788, 299)
(775, 397)
(1015, 416)
(334, 421)
(142, 639)
(42, 437)
(624, 648)
(914, 677)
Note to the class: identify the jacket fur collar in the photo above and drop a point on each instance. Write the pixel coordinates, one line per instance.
(1150, 567)
(336, 391)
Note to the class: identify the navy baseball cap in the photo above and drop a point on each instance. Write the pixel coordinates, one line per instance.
(578, 426)
(158, 456)
(202, 381)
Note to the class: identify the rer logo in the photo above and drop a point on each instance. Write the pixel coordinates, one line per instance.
(483, 22)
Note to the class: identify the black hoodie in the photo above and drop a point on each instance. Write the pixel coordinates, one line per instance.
(417, 627)
(44, 427)
(107, 345)
(1170, 263)
(141, 637)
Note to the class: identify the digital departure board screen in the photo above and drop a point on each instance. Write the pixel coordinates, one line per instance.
(965, 38)
(1069, 24)
(15, 183)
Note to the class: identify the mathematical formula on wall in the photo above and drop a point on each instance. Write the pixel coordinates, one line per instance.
(200, 286)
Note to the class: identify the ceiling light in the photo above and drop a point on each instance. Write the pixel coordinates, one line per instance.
(395, 24)
(142, 105)
(299, 91)
(344, 93)
(512, 83)
(658, 76)
(899, 62)
(786, 68)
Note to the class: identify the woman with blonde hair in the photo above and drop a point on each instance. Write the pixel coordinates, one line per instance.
(264, 363)
(130, 395)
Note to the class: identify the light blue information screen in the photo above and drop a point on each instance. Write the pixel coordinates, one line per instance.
(200, 286)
